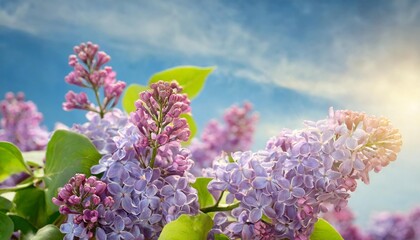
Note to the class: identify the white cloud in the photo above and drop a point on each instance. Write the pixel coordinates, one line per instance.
(377, 73)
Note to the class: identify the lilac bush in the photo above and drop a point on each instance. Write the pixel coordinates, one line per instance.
(133, 174)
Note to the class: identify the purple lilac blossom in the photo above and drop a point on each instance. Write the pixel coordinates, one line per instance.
(235, 135)
(145, 198)
(89, 72)
(101, 131)
(385, 225)
(302, 172)
(396, 226)
(80, 200)
(20, 123)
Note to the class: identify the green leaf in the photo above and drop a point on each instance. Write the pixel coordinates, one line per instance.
(6, 226)
(195, 227)
(30, 204)
(131, 95)
(205, 199)
(5, 204)
(191, 78)
(221, 237)
(49, 232)
(34, 158)
(11, 160)
(192, 126)
(27, 230)
(323, 230)
(68, 153)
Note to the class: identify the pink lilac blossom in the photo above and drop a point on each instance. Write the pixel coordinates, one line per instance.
(301, 173)
(20, 123)
(80, 200)
(89, 72)
(235, 135)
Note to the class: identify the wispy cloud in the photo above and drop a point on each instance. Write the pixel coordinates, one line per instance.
(367, 60)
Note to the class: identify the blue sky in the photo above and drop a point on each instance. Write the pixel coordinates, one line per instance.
(291, 59)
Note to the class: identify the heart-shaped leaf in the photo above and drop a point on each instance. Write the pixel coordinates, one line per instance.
(6, 226)
(11, 160)
(191, 78)
(68, 153)
(323, 230)
(131, 95)
(205, 199)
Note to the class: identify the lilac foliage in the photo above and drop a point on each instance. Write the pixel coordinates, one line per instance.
(301, 172)
(235, 135)
(20, 123)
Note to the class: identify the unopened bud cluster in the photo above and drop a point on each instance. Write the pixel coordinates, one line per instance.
(89, 72)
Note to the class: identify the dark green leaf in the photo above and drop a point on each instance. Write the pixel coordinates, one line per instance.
(191, 78)
(131, 95)
(6, 226)
(11, 160)
(323, 230)
(27, 230)
(192, 126)
(5, 204)
(30, 204)
(49, 232)
(220, 237)
(193, 227)
(68, 153)
(205, 199)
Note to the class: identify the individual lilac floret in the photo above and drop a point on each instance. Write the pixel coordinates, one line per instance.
(235, 135)
(20, 123)
(80, 200)
(88, 72)
(302, 172)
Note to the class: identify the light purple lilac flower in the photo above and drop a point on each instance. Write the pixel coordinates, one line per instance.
(20, 123)
(302, 172)
(89, 72)
(145, 198)
(234, 135)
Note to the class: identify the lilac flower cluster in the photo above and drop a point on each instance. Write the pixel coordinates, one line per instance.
(81, 199)
(161, 127)
(20, 123)
(235, 135)
(386, 225)
(102, 130)
(88, 73)
(301, 172)
(144, 164)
